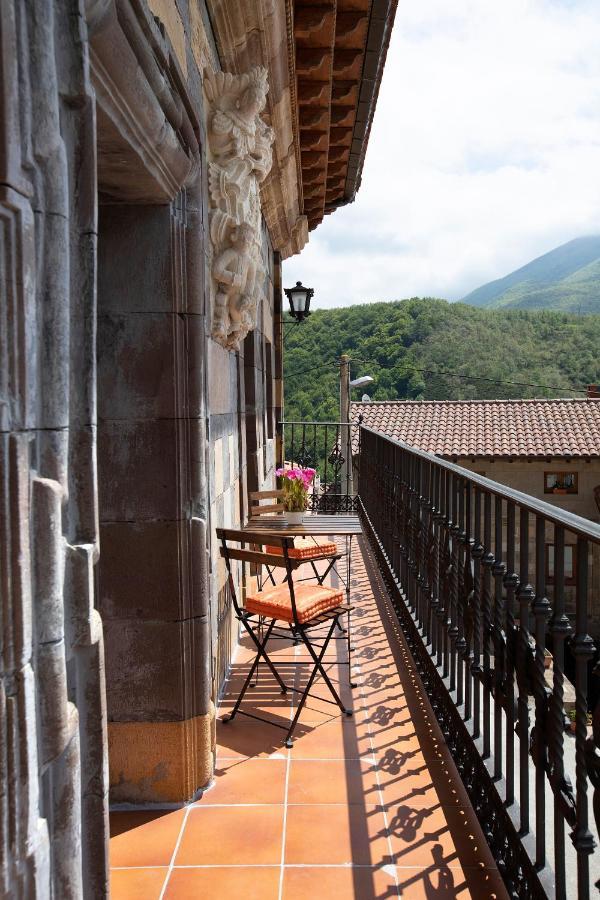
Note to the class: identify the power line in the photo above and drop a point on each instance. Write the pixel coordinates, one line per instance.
(548, 387)
(315, 369)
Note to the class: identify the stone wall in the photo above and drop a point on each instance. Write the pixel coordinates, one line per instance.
(53, 779)
(124, 428)
(176, 412)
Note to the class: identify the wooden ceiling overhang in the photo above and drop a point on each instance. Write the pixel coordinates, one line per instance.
(340, 48)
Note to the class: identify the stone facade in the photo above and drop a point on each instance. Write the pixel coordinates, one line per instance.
(124, 425)
(145, 147)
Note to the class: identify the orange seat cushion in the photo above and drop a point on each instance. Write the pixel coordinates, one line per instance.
(305, 548)
(311, 600)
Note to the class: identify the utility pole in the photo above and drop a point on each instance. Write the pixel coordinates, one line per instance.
(345, 440)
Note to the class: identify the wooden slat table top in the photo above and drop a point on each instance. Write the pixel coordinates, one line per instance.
(312, 525)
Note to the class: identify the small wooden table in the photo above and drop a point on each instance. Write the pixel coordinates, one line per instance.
(313, 526)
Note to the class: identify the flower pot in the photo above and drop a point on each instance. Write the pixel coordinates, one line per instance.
(559, 491)
(295, 518)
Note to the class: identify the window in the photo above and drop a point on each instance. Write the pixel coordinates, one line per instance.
(560, 482)
(570, 563)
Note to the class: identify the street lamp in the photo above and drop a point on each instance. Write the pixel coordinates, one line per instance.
(299, 297)
(363, 381)
(346, 385)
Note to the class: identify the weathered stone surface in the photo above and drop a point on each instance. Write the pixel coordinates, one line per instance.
(170, 627)
(138, 470)
(147, 143)
(47, 454)
(153, 762)
(138, 280)
(139, 575)
(148, 684)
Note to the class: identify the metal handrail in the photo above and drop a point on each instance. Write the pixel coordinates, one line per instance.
(570, 521)
(466, 562)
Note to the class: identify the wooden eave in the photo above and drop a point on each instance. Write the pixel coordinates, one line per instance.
(340, 50)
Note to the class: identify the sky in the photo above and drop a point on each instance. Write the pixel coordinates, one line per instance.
(484, 153)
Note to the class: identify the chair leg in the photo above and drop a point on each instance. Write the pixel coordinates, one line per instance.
(318, 667)
(260, 631)
(261, 652)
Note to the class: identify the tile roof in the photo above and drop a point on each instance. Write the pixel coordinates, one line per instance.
(489, 428)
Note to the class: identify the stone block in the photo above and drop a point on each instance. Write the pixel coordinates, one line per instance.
(55, 712)
(140, 569)
(137, 365)
(141, 359)
(145, 678)
(49, 560)
(218, 379)
(134, 259)
(157, 762)
(79, 595)
(217, 453)
(137, 463)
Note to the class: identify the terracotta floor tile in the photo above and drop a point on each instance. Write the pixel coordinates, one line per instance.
(389, 743)
(144, 838)
(344, 883)
(332, 781)
(320, 694)
(247, 781)
(340, 738)
(266, 699)
(227, 835)
(419, 783)
(260, 883)
(137, 884)
(450, 884)
(420, 836)
(335, 835)
(243, 738)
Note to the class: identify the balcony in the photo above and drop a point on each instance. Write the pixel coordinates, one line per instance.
(368, 807)
(458, 775)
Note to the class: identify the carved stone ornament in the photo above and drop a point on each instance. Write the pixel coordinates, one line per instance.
(241, 156)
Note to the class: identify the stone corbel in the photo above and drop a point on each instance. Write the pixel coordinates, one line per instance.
(261, 32)
(240, 159)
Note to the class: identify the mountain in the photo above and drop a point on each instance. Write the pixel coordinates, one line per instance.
(434, 350)
(567, 278)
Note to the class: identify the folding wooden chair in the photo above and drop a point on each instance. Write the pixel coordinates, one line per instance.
(300, 607)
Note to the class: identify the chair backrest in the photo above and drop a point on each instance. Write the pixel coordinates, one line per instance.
(229, 536)
(272, 505)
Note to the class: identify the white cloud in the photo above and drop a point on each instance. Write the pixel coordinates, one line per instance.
(484, 153)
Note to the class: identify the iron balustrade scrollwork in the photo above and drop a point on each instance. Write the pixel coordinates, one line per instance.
(332, 449)
(500, 635)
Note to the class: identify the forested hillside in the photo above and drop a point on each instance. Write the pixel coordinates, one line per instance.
(566, 278)
(406, 345)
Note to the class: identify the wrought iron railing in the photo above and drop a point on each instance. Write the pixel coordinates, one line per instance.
(468, 565)
(332, 449)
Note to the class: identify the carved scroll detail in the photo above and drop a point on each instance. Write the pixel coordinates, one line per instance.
(241, 157)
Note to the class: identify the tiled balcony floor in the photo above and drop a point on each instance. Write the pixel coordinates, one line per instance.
(368, 807)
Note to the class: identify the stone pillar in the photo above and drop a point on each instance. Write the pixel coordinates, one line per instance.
(151, 449)
(53, 778)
